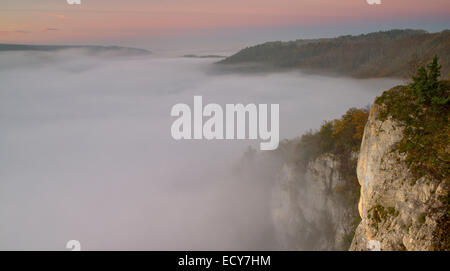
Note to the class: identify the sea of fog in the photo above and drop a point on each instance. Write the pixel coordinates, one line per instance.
(86, 151)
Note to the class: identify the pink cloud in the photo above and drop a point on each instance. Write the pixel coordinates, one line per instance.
(22, 31)
(46, 29)
(4, 33)
(59, 16)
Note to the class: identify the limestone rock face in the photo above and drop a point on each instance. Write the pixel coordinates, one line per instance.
(307, 212)
(397, 211)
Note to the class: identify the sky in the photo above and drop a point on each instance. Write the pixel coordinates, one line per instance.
(161, 24)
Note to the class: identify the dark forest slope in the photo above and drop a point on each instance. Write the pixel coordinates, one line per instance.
(395, 53)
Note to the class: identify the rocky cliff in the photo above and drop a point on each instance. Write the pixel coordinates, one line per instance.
(371, 180)
(398, 211)
(308, 210)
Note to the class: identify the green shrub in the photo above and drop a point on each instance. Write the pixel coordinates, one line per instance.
(422, 217)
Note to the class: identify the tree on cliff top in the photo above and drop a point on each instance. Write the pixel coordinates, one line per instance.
(426, 86)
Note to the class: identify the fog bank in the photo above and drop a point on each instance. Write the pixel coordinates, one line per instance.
(87, 153)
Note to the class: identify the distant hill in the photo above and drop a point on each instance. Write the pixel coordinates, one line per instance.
(394, 53)
(203, 56)
(89, 48)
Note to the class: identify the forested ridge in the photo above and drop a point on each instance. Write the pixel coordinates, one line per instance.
(394, 53)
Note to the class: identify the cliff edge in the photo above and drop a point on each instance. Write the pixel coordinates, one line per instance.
(402, 207)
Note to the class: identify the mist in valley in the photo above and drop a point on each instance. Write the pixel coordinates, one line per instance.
(87, 152)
